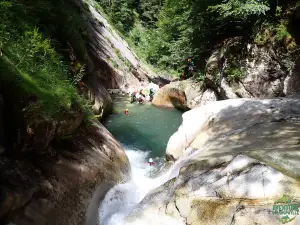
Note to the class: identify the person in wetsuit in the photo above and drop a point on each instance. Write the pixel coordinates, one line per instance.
(188, 70)
(151, 94)
(151, 162)
(126, 112)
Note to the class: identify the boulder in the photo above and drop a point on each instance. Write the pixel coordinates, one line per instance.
(44, 190)
(208, 96)
(170, 97)
(264, 76)
(195, 92)
(236, 122)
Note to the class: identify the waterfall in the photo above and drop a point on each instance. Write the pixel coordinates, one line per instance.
(123, 198)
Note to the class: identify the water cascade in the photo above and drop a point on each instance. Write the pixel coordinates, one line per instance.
(123, 198)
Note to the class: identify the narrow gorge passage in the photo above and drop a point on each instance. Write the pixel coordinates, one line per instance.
(143, 134)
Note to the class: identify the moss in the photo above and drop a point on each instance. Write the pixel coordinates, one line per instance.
(275, 33)
(32, 61)
(234, 74)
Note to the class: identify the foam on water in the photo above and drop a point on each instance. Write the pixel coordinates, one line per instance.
(123, 198)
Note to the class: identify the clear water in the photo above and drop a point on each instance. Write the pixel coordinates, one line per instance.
(143, 134)
(147, 128)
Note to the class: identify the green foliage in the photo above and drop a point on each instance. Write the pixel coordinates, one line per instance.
(121, 13)
(113, 63)
(234, 74)
(274, 33)
(199, 76)
(241, 10)
(264, 35)
(148, 10)
(30, 60)
(165, 33)
(281, 31)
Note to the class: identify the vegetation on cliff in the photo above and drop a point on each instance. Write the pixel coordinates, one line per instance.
(35, 47)
(165, 32)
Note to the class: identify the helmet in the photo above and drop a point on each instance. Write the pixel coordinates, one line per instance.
(126, 109)
(150, 160)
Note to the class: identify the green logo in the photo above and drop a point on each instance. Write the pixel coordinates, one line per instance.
(287, 208)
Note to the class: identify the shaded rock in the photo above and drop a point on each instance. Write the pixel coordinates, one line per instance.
(40, 130)
(170, 97)
(229, 123)
(292, 81)
(1, 123)
(58, 190)
(212, 66)
(161, 81)
(262, 73)
(99, 96)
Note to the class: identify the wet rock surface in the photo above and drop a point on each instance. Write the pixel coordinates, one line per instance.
(246, 160)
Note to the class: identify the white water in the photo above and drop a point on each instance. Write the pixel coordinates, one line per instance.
(123, 198)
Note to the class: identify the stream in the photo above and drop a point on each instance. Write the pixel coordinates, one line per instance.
(143, 134)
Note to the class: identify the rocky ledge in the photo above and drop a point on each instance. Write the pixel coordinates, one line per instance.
(246, 155)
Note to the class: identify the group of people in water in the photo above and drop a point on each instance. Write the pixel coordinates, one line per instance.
(140, 97)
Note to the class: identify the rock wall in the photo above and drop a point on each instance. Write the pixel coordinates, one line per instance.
(56, 187)
(111, 62)
(56, 171)
(250, 71)
(245, 159)
(51, 167)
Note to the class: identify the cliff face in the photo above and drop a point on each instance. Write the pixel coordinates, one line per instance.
(52, 167)
(56, 187)
(115, 64)
(111, 64)
(56, 170)
(250, 71)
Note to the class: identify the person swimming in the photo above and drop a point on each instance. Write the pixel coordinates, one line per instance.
(126, 112)
(151, 162)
